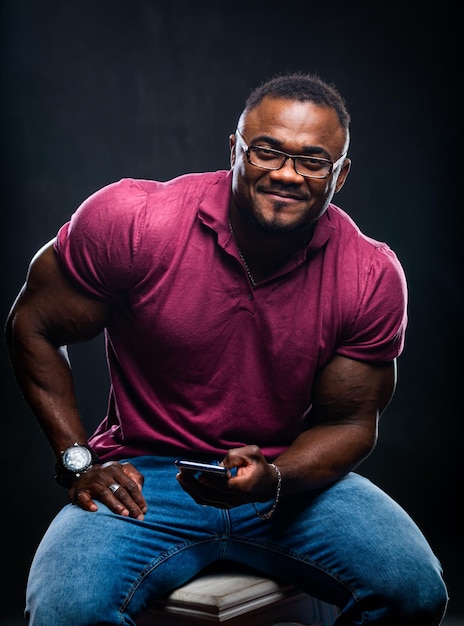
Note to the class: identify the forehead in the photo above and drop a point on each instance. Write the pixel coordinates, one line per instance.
(295, 124)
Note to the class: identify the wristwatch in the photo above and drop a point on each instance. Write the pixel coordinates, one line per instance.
(75, 461)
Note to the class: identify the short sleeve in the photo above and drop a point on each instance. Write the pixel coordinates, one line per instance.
(98, 246)
(377, 332)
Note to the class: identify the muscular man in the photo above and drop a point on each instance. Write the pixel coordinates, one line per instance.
(248, 322)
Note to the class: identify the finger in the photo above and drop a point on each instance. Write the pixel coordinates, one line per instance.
(126, 475)
(134, 489)
(83, 499)
(133, 474)
(120, 501)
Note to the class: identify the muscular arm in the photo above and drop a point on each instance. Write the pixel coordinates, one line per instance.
(48, 314)
(348, 399)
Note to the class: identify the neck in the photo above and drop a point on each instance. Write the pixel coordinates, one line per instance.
(265, 252)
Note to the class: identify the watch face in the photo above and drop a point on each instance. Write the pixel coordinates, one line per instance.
(77, 458)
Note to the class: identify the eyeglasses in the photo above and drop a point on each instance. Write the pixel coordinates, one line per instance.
(270, 159)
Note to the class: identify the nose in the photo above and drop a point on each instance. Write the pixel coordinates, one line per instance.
(287, 172)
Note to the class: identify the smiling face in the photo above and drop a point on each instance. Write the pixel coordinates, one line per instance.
(283, 200)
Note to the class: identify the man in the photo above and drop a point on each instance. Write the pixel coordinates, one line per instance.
(249, 323)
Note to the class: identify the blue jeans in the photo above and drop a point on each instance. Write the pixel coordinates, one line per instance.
(350, 545)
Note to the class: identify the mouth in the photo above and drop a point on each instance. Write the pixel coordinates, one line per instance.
(284, 195)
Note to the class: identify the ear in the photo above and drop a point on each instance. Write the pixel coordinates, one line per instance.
(232, 144)
(343, 175)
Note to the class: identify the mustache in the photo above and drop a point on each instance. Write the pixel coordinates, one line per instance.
(286, 191)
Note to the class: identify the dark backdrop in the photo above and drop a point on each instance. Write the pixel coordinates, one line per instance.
(97, 90)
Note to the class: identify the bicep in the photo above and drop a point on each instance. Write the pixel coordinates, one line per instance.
(350, 391)
(49, 305)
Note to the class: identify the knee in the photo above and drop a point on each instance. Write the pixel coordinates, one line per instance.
(64, 610)
(394, 595)
(419, 599)
(426, 602)
(64, 602)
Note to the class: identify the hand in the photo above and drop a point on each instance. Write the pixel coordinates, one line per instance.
(254, 481)
(126, 500)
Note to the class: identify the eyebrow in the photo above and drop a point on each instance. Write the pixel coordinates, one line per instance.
(275, 143)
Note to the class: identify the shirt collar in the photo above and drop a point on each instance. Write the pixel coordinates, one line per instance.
(214, 212)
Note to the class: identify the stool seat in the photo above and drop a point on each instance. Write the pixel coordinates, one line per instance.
(237, 597)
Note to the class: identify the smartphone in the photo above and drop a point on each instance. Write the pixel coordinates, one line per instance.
(197, 466)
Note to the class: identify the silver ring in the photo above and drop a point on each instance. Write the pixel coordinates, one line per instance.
(114, 487)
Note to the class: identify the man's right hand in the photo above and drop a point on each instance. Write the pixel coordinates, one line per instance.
(117, 485)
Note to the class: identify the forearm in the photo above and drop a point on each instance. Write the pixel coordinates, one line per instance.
(324, 454)
(44, 376)
(49, 314)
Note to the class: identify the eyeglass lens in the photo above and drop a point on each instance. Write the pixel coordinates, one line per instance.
(274, 160)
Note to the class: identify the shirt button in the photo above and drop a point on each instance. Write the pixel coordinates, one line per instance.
(250, 296)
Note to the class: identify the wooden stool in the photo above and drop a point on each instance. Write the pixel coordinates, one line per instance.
(237, 598)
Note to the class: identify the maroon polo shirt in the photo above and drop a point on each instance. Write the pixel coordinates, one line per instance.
(200, 361)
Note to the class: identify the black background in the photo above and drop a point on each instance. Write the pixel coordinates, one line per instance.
(96, 91)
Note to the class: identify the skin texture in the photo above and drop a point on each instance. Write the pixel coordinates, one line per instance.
(272, 213)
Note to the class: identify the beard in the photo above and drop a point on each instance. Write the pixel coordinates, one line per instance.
(276, 225)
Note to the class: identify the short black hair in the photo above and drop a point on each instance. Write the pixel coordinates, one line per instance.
(302, 87)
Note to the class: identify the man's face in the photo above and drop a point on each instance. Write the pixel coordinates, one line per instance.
(282, 200)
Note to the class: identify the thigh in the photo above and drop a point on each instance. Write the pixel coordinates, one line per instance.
(343, 544)
(95, 567)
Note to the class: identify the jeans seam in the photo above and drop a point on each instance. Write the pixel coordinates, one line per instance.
(297, 557)
(162, 558)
